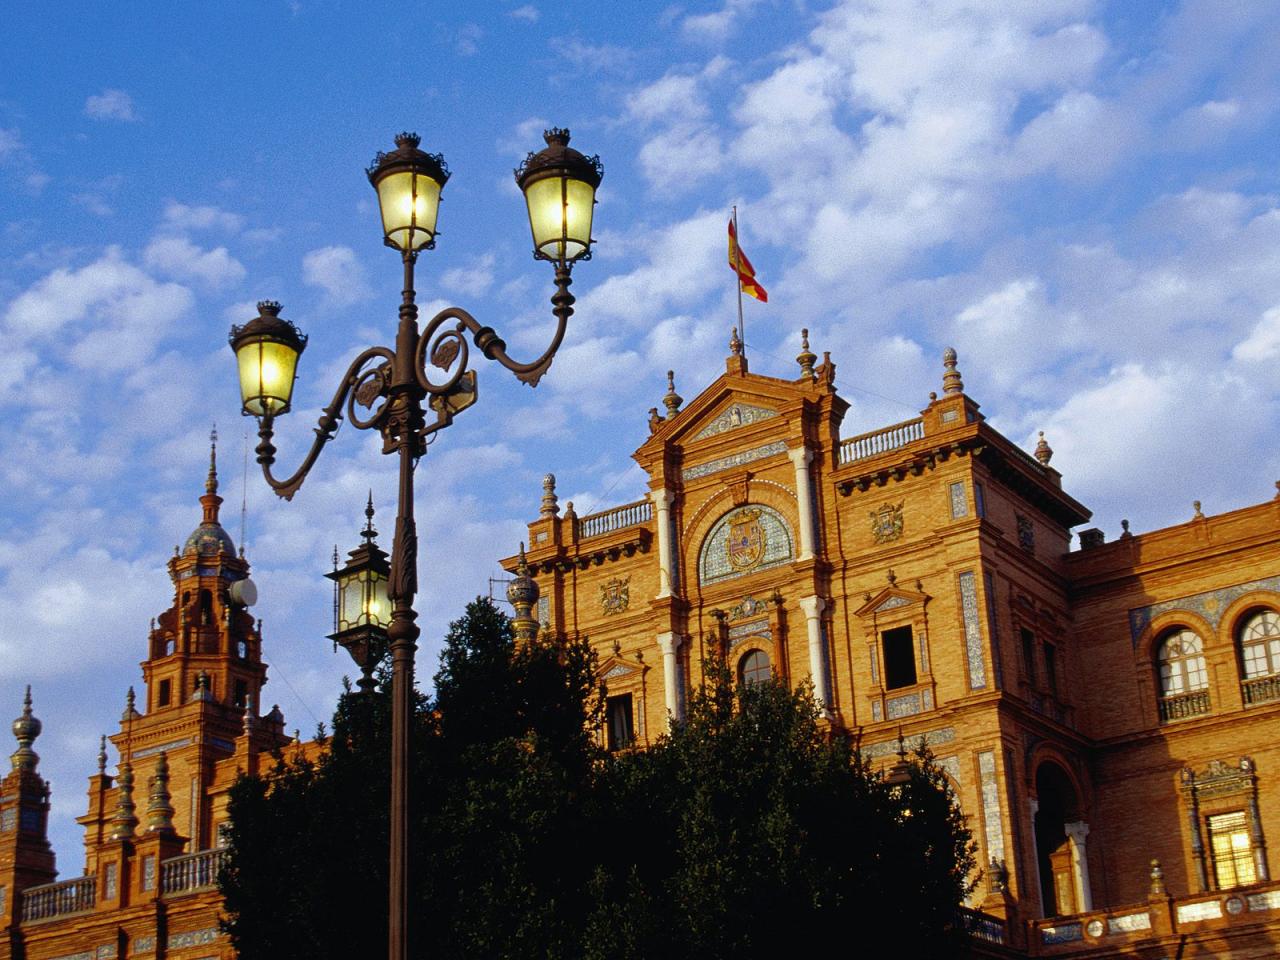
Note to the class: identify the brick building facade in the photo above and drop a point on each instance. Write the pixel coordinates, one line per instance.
(152, 852)
(1097, 710)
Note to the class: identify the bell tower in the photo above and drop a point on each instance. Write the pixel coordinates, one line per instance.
(207, 645)
(26, 859)
(203, 677)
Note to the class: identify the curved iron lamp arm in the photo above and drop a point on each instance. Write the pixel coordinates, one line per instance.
(326, 427)
(492, 345)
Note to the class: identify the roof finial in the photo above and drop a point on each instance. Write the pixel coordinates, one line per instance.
(249, 715)
(125, 819)
(25, 730)
(1124, 526)
(1157, 879)
(735, 344)
(211, 482)
(130, 711)
(159, 806)
(1199, 515)
(1044, 453)
(550, 504)
(369, 532)
(672, 400)
(806, 357)
(951, 382)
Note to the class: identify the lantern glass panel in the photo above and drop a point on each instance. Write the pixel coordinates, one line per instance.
(377, 606)
(266, 376)
(560, 211)
(351, 601)
(409, 203)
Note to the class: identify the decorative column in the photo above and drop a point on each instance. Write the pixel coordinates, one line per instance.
(802, 456)
(670, 646)
(662, 504)
(812, 608)
(1076, 832)
(1034, 804)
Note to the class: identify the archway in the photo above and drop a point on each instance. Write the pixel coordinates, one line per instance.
(1060, 851)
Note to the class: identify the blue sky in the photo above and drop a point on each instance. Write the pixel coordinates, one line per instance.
(1081, 197)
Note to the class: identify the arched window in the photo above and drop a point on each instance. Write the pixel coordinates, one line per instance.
(754, 668)
(1182, 667)
(1260, 644)
(1184, 680)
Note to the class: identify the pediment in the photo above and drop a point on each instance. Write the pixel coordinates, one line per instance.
(736, 414)
(618, 667)
(891, 600)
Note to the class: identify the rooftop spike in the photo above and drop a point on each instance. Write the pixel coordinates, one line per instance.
(1044, 453)
(211, 481)
(125, 821)
(102, 755)
(806, 358)
(25, 730)
(550, 504)
(159, 804)
(369, 533)
(951, 382)
(672, 400)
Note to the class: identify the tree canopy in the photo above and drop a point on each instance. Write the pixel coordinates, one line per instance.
(747, 826)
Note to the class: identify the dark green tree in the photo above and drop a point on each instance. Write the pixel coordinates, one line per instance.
(747, 824)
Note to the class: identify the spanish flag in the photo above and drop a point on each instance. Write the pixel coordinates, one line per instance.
(740, 265)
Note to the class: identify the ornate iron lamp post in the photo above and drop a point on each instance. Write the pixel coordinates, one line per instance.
(397, 388)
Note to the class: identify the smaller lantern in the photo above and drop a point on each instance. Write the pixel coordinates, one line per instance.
(559, 186)
(361, 607)
(267, 350)
(408, 182)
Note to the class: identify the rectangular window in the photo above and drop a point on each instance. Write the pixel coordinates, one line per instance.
(899, 658)
(620, 731)
(1029, 654)
(1232, 854)
(242, 693)
(149, 872)
(979, 500)
(110, 874)
(165, 694)
(1051, 667)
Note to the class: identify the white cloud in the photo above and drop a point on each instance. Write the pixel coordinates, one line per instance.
(110, 104)
(472, 281)
(10, 141)
(337, 272)
(467, 41)
(1263, 343)
(527, 13)
(719, 25)
(179, 257)
(180, 216)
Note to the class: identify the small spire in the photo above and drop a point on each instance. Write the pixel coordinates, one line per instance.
(130, 711)
(550, 504)
(951, 382)
(249, 718)
(735, 345)
(202, 691)
(369, 532)
(102, 755)
(1199, 515)
(1044, 453)
(211, 482)
(25, 730)
(335, 556)
(672, 400)
(125, 821)
(806, 358)
(159, 805)
(522, 593)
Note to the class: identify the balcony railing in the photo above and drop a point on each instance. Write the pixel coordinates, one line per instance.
(59, 899)
(195, 871)
(881, 441)
(1261, 690)
(606, 521)
(982, 926)
(1183, 705)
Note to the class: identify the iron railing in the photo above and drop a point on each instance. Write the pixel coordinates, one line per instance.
(1183, 705)
(1261, 689)
(982, 926)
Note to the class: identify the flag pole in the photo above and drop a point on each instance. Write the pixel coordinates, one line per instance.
(737, 277)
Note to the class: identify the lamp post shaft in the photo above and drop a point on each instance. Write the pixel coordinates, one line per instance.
(403, 630)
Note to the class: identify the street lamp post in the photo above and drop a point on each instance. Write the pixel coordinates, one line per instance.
(397, 388)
